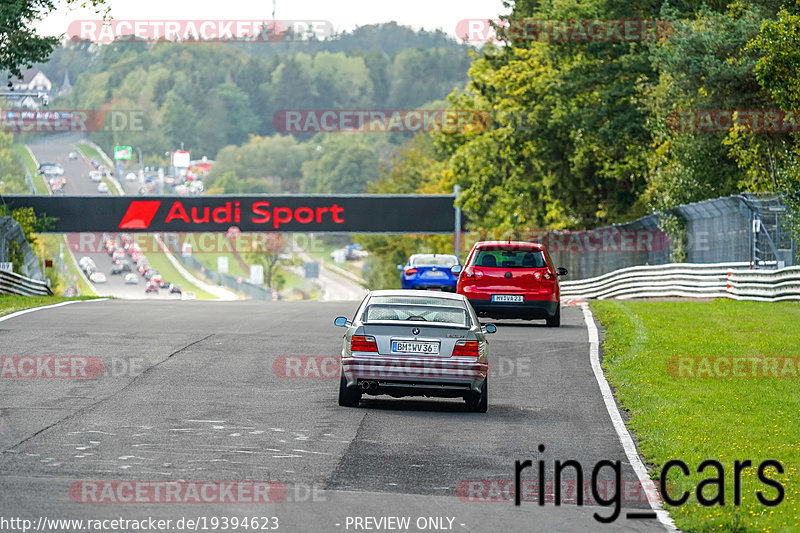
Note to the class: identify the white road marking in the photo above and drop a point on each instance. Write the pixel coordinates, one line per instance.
(619, 426)
(32, 309)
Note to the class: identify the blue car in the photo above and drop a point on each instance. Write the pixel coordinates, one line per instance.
(429, 271)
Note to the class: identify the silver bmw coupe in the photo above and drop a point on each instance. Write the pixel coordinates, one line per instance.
(415, 343)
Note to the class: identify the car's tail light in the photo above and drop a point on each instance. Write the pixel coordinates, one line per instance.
(466, 349)
(411, 271)
(549, 276)
(469, 273)
(363, 343)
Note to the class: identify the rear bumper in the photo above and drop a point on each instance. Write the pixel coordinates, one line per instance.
(430, 285)
(416, 376)
(525, 309)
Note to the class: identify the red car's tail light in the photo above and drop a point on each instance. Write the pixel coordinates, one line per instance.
(472, 274)
(549, 276)
(466, 349)
(363, 343)
(411, 271)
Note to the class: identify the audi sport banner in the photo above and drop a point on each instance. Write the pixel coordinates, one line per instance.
(288, 213)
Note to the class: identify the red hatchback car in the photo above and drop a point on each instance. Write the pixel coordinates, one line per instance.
(512, 279)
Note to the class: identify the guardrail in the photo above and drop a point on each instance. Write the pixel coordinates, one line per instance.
(12, 283)
(689, 280)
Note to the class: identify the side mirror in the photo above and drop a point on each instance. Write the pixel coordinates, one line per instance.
(341, 321)
(456, 269)
(490, 328)
(561, 271)
(399, 267)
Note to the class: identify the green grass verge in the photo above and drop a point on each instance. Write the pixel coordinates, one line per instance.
(50, 246)
(90, 154)
(11, 303)
(700, 418)
(30, 165)
(160, 262)
(209, 259)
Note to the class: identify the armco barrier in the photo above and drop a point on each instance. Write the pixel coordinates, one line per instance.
(11, 283)
(689, 280)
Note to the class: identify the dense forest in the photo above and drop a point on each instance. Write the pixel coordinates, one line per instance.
(583, 133)
(219, 100)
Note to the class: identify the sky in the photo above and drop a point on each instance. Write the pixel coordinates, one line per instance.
(343, 14)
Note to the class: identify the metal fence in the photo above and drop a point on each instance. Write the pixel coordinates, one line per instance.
(11, 231)
(256, 292)
(748, 228)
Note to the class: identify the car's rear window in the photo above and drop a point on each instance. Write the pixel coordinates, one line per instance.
(510, 258)
(434, 260)
(417, 300)
(415, 313)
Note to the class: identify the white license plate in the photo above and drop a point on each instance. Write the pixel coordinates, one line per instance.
(436, 274)
(425, 348)
(506, 297)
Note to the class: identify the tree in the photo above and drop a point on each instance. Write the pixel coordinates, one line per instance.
(20, 45)
(346, 164)
(269, 252)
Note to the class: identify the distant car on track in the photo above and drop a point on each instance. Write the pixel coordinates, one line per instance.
(51, 169)
(429, 271)
(151, 287)
(415, 343)
(102, 188)
(97, 277)
(131, 279)
(512, 279)
(72, 156)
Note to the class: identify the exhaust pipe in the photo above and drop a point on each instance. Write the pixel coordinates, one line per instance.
(369, 385)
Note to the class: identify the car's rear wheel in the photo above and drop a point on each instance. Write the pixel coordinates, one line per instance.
(348, 397)
(479, 403)
(555, 321)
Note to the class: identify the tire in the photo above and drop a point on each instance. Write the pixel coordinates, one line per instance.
(479, 403)
(555, 321)
(348, 397)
